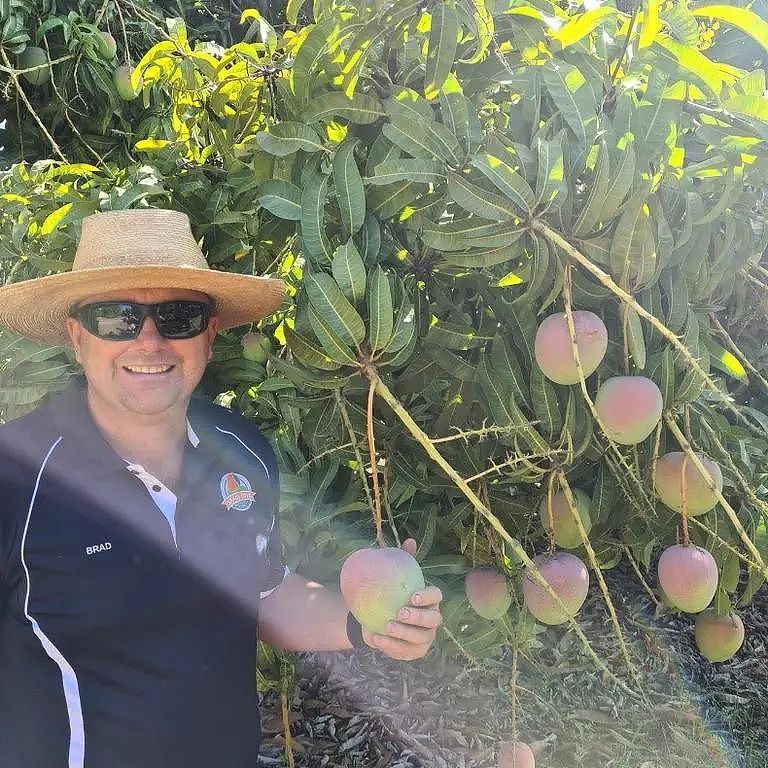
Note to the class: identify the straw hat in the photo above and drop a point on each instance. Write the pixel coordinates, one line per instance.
(146, 248)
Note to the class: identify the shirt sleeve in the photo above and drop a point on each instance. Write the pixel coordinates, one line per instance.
(276, 569)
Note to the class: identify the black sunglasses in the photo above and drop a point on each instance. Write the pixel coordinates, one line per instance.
(122, 320)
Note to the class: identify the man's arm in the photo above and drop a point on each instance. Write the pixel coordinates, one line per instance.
(302, 615)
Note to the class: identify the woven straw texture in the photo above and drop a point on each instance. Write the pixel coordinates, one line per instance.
(123, 250)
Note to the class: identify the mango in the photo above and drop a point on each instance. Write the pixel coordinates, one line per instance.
(32, 56)
(566, 533)
(121, 77)
(699, 497)
(107, 45)
(377, 583)
(554, 352)
(688, 576)
(256, 347)
(569, 579)
(516, 755)
(719, 637)
(488, 592)
(629, 408)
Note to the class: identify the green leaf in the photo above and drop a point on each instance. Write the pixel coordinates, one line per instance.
(598, 189)
(651, 23)
(307, 353)
(413, 120)
(349, 272)
(545, 405)
(380, 319)
(462, 234)
(693, 61)
(630, 246)
(320, 45)
(443, 39)
(502, 407)
(313, 234)
(350, 192)
(404, 332)
(486, 258)
(726, 361)
(423, 171)
(477, 200)
(332, 344)
(54, 219)
(620, 183)
(506, 180)
(676, 291)
(280, 198)
(360, 109)
(334, 308)
(484, 29)
(286, 138)
(551, 186)
(390, 200)
(507, 369)
(604, 495)
(419, 139)
(572, 95)
(454, 336)
(747, 21)
(454, 108)
(582, 25)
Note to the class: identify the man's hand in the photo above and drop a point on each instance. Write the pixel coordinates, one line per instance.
(411, 636)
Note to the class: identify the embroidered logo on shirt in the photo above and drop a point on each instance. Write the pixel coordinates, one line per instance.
(236, 492)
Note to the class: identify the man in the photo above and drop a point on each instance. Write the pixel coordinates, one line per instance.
(139, 540)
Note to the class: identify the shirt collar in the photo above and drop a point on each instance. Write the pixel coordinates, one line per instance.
(72, 417)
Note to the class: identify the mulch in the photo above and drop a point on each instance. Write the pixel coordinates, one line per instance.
(362, 710)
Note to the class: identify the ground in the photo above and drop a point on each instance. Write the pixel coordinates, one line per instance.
(363, 711)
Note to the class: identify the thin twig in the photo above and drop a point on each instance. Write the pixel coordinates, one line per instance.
(640, 576)
(572, 506)
(30, 108)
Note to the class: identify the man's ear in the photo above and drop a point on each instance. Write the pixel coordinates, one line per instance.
(75, 330)
(213, 329)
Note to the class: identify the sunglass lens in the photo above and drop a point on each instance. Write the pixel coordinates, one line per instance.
(115, 321)
(181, 319)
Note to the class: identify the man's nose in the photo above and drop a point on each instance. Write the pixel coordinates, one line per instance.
(149, 333)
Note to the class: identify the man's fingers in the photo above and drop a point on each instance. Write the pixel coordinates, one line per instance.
(404, 650)
(410, 546)
(429, 618)
(427, 596)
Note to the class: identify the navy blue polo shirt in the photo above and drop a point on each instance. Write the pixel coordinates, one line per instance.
(128, 613)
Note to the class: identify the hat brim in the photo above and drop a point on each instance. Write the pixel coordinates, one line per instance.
(38, 309)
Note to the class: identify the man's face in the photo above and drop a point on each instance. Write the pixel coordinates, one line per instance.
(107, 364)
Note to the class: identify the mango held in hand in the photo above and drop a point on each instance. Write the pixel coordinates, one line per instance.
(569, 579)
(566, 532)
(719, 637)
(629, 408)
(554, 351)
(377, 583)
(488, 592)
(699, 496)
(688, 576)
(516, 755)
